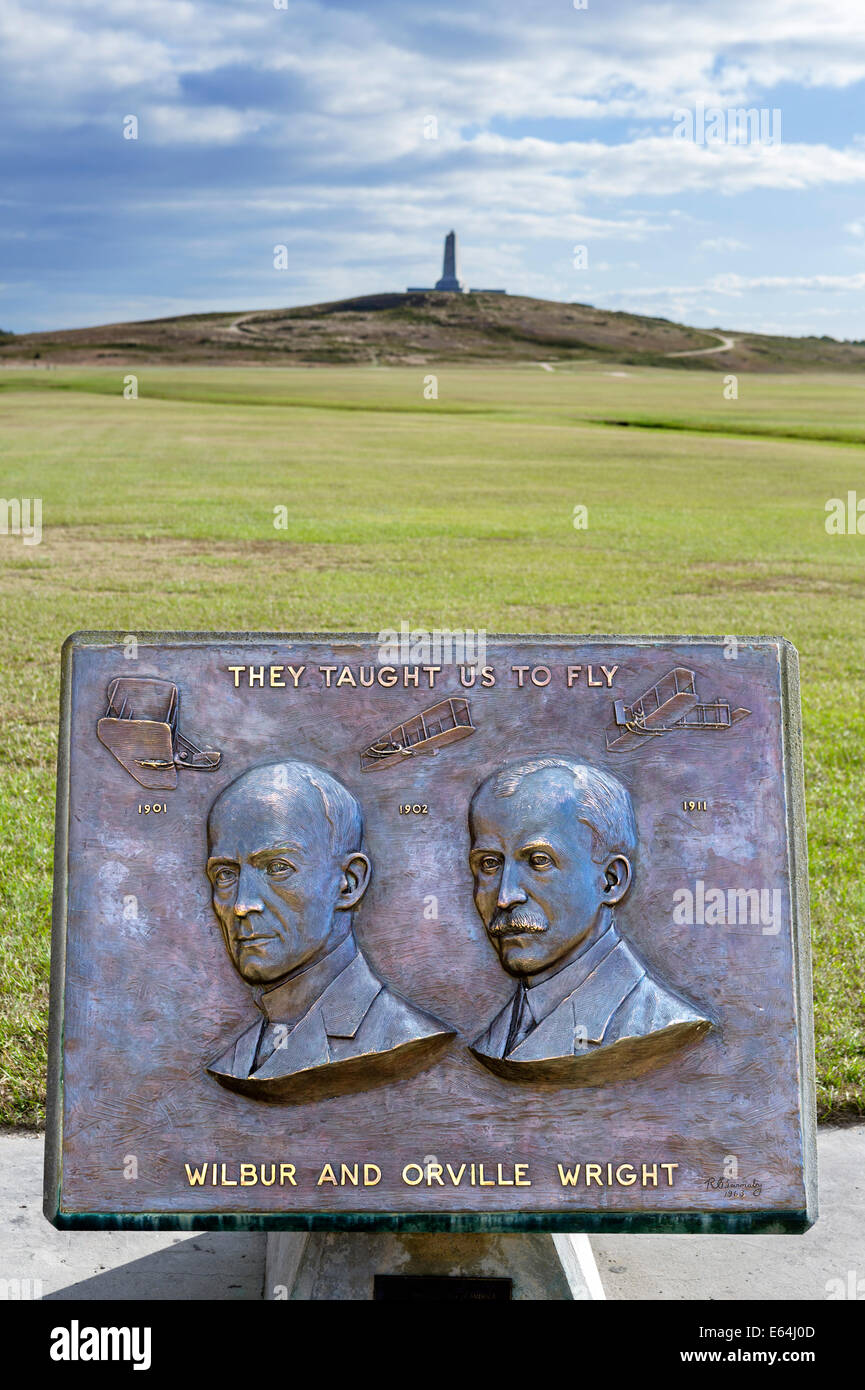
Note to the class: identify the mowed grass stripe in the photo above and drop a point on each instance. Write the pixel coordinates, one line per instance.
(773, 406)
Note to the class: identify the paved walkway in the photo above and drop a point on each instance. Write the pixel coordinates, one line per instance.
(830, 1259)
(726, 344)
(111, 1264)
(755, 1266)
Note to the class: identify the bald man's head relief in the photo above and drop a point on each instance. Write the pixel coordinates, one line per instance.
(286, 867)
(552, 850)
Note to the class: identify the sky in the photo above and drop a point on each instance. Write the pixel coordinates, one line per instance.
(357, 134)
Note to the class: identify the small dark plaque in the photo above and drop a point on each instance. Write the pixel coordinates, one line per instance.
(430, 932)
(440, 1288)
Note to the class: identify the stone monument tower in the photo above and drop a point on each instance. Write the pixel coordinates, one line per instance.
(450, 269)
(450, 280)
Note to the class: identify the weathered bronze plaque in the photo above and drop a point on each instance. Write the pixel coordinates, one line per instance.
(431, 931)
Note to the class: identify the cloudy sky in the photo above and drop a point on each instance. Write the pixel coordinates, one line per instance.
(357, 134)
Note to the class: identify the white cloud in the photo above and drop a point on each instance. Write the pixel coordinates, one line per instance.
(315, 119)
(378, 68)
(737, 284)
(722, 244)
(199, 125)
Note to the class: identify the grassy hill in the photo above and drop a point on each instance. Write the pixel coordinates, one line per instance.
(429, 327)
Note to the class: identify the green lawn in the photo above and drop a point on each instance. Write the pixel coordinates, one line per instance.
(158, 513)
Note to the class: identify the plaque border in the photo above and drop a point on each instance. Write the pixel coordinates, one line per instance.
(644, 1222)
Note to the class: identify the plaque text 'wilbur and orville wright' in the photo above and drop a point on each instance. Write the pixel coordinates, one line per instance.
(509, 940)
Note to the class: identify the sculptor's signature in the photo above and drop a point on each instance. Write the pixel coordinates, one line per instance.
(733, 1187)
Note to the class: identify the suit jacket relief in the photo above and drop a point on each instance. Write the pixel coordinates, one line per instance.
(605, 996)
(354, 1016)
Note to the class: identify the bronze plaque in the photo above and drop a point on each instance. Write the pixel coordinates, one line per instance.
(431, 931)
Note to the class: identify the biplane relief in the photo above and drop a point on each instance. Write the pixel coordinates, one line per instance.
(553, 843)
(140, 728)
(287, 870)
(670, 705)
(446, 722)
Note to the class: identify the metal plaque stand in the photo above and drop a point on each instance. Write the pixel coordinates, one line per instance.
(302, 1266)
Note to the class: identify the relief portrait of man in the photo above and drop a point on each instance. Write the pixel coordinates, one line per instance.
(287, 871)
(553, 844)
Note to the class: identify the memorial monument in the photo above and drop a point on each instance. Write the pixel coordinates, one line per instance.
(450, 273)
(450, 281)
(550, 902)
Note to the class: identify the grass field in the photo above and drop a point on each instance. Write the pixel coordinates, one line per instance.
(705, 515)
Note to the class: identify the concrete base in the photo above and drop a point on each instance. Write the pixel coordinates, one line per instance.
(344, 1267)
